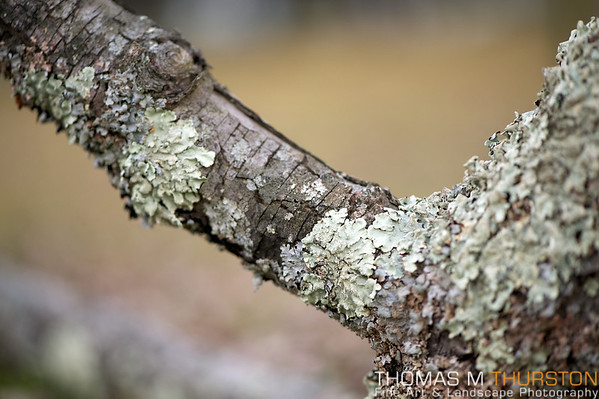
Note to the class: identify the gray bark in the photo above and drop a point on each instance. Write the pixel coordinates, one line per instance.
(497, 273)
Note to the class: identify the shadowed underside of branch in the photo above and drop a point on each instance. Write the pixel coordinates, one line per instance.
(498, 273)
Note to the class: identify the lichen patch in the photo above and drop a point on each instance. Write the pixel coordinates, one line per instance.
(314, 190)
(525, 219)
(57, 98)
(163, 169)
(228, 221)
(341, 254)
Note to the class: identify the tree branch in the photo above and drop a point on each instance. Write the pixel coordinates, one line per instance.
(497, 273)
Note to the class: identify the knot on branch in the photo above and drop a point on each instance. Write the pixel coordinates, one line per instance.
(168, 70)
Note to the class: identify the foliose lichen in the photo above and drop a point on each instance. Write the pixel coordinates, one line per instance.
(163, 169)
(515, 229)
(525, 219)
(81, 82)
(59, 99)
(341, 254)
(156, 156)
(339, 261)
(292, 265)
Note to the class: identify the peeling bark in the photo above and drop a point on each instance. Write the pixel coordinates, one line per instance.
(497, 273)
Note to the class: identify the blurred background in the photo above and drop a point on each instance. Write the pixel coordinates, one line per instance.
(397, 92)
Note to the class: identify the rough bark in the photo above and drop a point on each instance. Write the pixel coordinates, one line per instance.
(496, 274)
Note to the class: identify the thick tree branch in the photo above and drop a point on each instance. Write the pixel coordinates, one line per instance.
(498, 273)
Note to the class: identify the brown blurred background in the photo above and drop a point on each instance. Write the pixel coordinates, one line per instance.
(397, 92)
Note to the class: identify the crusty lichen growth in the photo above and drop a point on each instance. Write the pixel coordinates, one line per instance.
(163, 169)
(530, 213)
(59, 99)
(339, 262)
(341, 254)
(517, 229)
(154, 158)
(229, 221)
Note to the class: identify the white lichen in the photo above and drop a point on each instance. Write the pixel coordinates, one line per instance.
(228, 221)
(292, 264)
(240, 152)
(316, 189)
(163, 170)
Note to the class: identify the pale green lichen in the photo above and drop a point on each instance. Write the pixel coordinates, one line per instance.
(159, 170)
(164, 168)
(47, 93)
(339, 261)
(60, 99)
(52, 94)
(81, 82)
(341, 254)
(493, 350)
(525, 219)
(404, 232)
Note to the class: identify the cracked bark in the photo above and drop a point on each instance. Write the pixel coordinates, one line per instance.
(411, 275)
